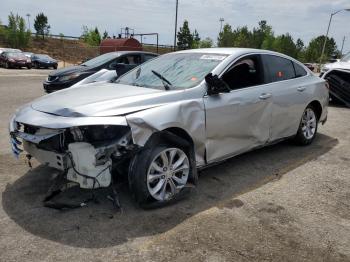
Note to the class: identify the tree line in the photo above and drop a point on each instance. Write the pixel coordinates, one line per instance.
(260, 37)
(18, 35)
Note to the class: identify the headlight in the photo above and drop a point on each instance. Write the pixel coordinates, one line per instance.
(29, 61)
(69, 77)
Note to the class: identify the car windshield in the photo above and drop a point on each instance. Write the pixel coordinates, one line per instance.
(16, 55)
(173, 71)
(43, 56)
(100, 60)
(346, 58)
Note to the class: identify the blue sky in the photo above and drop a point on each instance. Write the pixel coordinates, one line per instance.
(303, 19)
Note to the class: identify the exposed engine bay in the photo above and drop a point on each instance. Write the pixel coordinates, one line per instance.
(86, 153)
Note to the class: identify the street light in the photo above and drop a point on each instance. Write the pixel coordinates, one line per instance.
(221, 21)
(329, 25)
(177, 7)
(28, 15)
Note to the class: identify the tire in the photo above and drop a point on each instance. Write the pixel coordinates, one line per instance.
(7, 65)
(55, 67)
(29, 67)
(308, 127)
(152, 181)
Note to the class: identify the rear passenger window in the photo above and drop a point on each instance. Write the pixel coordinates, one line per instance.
(299, 71)
(278, 68)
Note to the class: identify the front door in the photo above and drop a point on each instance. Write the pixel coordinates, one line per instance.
(240, 120)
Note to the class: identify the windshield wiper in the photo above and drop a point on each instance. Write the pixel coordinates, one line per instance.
(166, 82)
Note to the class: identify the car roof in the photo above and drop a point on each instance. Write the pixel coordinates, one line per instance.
(119, 53)
(229, 51)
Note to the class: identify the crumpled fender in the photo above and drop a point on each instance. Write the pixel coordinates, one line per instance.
(188, 115)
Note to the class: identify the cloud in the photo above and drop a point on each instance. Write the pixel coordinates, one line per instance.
(302, 19)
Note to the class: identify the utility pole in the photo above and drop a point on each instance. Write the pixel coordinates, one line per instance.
(342, 47)
(28, 15)
(177, 7)
(221, 21)
(329, 25)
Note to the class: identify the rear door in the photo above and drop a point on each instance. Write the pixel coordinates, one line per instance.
(287, 84)
(240, 120)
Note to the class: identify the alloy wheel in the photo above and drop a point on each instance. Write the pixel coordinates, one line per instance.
(168, 173)
(309, 123)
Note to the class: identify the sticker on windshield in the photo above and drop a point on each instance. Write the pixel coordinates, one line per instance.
(213, 57)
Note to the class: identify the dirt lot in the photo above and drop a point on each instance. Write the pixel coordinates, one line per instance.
(281, 203)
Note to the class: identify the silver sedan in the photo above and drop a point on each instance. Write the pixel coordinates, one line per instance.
(171, 116)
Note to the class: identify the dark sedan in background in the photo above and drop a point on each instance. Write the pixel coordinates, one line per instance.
(122, 62)
(15, 60)
(43, 61)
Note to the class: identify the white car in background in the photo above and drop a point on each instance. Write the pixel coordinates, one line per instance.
(343, 64)
(102, 76)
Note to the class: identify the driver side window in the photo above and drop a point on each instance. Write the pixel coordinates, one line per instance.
(246, 72)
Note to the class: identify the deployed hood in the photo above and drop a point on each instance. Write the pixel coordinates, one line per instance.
(338, 65)
(69, 70)
(103, 99)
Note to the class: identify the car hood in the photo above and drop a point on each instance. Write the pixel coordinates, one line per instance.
(338, 65)
(103, 99)
(69, 70)
(46, 60)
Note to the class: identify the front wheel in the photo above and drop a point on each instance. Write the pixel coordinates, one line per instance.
(157, 175)
(308, 127)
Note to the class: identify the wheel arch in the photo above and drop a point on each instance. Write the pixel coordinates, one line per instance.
(181, 138)
(318, 108)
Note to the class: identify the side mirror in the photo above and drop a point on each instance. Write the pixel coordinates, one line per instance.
(121, 69)
(216, 85)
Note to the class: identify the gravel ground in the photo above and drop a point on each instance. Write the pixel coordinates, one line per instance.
(280, 203)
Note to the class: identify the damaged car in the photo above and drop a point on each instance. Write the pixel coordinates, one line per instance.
(167, 118)
(339, 85)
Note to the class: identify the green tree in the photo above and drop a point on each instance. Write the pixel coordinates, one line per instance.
(206, 43)
(184, 37)
(225, 38)
(285, 44)
(242, 37)
(105, 35)
(16, 34)
(41, 25)
(196, 39)
(91, 36)
(314, 49)
(262, 33)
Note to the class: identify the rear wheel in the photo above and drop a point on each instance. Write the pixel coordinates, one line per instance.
(308, 127)
(157, 175)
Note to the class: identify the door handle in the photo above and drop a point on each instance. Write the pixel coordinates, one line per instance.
(264, 96)
(301, 89)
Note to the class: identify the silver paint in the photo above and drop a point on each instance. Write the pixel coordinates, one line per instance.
(220, 126)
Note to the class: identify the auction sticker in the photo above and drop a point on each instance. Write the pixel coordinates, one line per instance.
(213, 57)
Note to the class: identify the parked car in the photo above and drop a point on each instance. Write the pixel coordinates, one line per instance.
(15, 60)
(343, 64)
(9, 50)
(339, 85)
(102, 76)
(28, 54)
(43, 61)
(310, 66)
(67, 77)
(171, 116)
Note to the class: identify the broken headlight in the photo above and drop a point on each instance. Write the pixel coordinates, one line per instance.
(98, 133)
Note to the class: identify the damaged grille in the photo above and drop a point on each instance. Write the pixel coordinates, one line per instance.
(339, 83)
